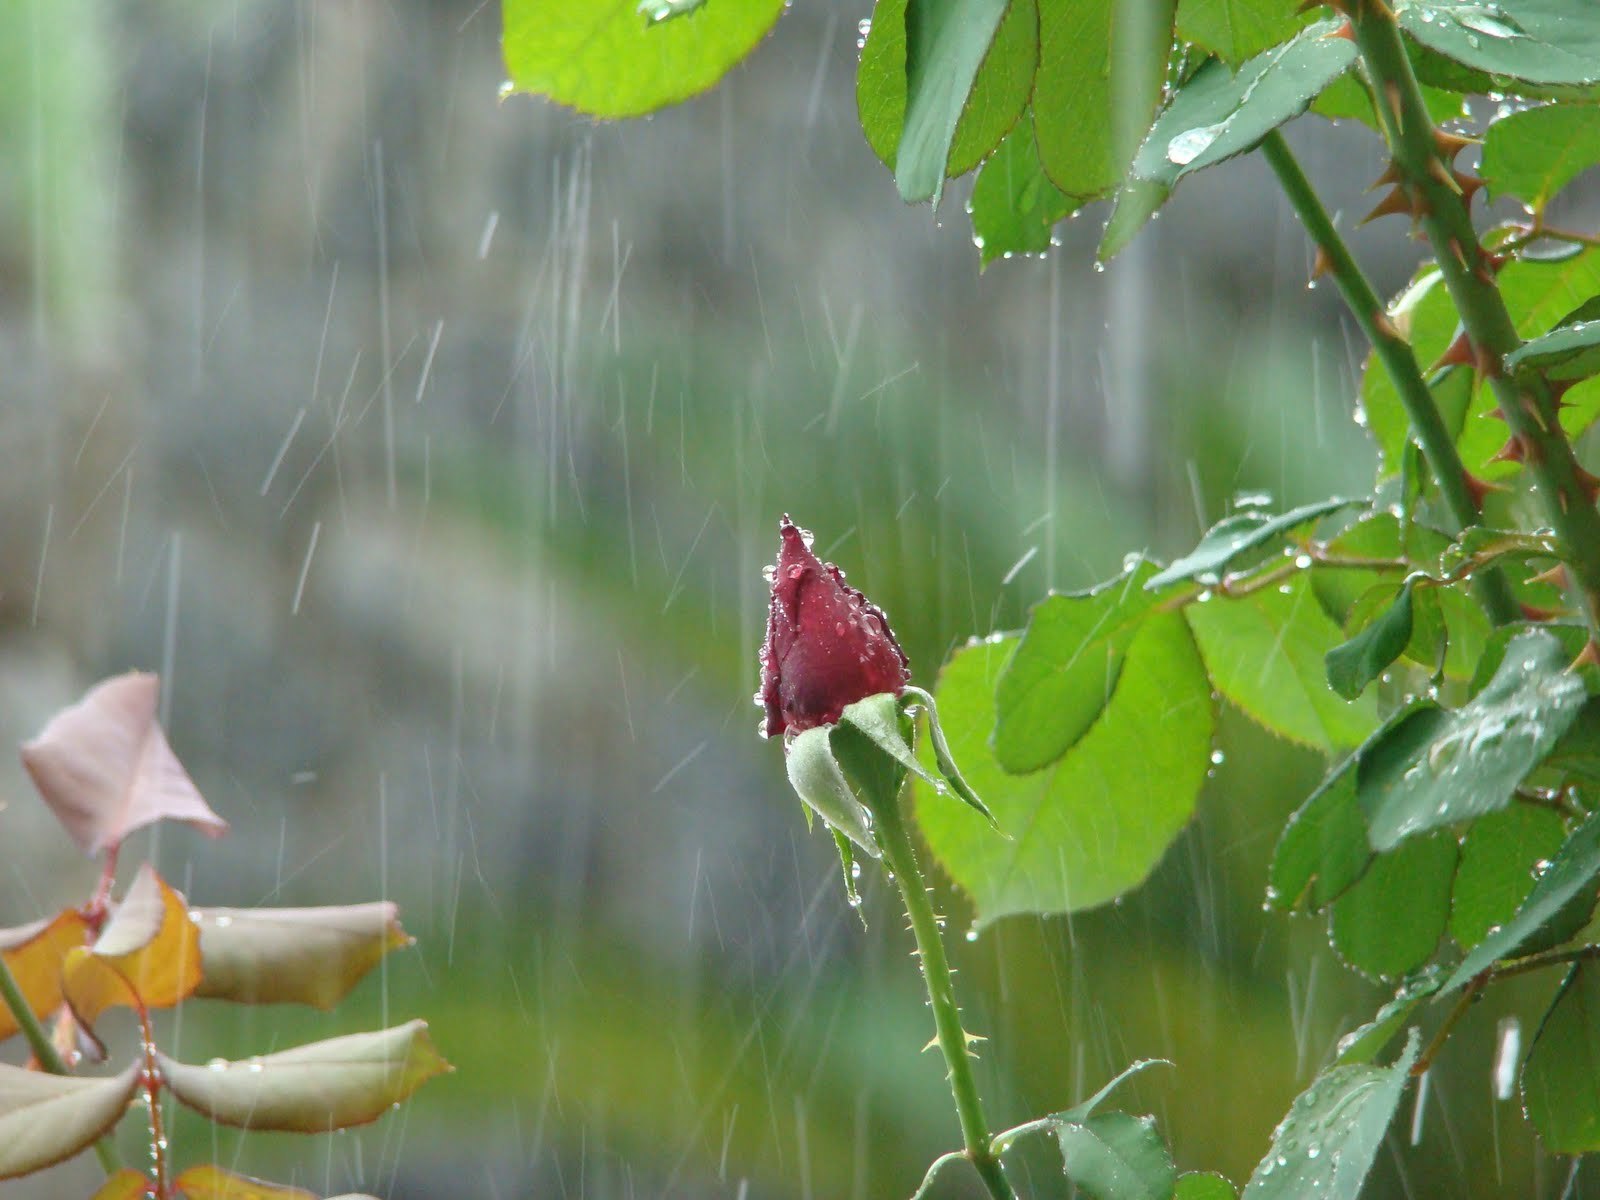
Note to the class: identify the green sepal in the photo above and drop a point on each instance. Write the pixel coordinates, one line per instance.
(947, 762)
(879, 718)
(847, 863)
(815, 775)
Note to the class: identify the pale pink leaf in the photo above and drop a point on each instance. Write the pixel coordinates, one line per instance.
(105, 769)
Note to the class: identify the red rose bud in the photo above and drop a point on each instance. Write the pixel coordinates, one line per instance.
(827, 645)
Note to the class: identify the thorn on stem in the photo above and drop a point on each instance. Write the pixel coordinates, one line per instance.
(1394, 201)
(1451, 144)
(1556, 576)
(1479, 489)
(1459, 353)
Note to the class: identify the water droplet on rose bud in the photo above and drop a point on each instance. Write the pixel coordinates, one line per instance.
(796, 571)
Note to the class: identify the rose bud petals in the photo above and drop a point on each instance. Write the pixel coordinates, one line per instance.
(827, 645)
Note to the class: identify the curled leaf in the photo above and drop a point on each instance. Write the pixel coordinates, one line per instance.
(312, 1088)
(33, 954)
(210, 1182)
(126, 1184)
(292, 955)
(105, 769)
(148, 955)
(45, 1119)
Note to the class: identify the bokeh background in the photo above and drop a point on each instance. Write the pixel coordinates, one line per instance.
(430, 446)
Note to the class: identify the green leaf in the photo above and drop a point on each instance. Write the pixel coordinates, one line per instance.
(1265, 652)
(1323, 848)
(1566, 352)
(1326, 1144)
(1446, 766)
(1534, 153)
(1235, 30)
(1376, 536)
(1081, 1110)
(1002, 1142)
(1065, 670)
(313, 1088)
(1540, 41)
(1571, 871)
(1561, 1077)
(1203, 1185)
(1429, 640)
(816, 777)
(998, 96)
(1094, 824)
(47, 1118)
(1577, 754)
(1014, 205)
(946, 41)
(1101, 68)
(656, 11)
(1391, 920)
(1538, 294)
(609, 60)
(1365, 1043)
(1114, 1156)
(1346, 98)
(1233, 536)
(1572, 638)
(1356, 663)
(1216, 114)
(1499, 857)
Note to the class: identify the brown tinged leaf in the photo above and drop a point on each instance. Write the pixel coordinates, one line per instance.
(148, 955)
(210, 1182)
(105, 769)
(46, 1119)
(313, 1088)
(1589, 656)
(293, 955)
(34, 954)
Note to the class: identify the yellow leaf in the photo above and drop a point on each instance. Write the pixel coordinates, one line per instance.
(34, 953)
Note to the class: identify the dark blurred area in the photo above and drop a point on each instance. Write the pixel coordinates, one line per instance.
(430, 445)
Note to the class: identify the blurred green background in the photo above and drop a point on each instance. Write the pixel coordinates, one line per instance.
(431, 447)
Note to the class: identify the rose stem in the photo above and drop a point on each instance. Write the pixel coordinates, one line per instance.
(901, 858)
